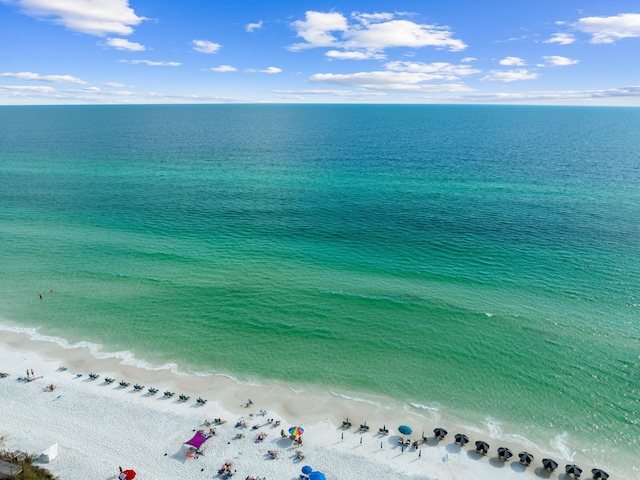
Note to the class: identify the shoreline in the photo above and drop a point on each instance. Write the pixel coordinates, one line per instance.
(320, 413)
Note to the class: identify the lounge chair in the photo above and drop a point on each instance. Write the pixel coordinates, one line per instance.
(383, 430)
(137, 387)
(169, 394)
(364, 427)
(346, 423)
(93, 376)
(153, 391)
(184, 398)
(109, 380)
(201, 401)
(124, 384)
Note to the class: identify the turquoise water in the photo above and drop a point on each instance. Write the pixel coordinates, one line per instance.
(483, 260)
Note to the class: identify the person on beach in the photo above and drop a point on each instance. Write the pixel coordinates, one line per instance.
(40, 295)
(122, 475)
(28, 378)
(32, 374)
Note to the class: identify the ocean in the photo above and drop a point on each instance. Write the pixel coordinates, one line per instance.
(482, 261)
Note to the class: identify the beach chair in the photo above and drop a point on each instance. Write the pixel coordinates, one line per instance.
(109, 380)
(364, 427)
(383, 430)
(169, 394)
(137, 387)
(153, 391)
(184, 398)
(124, 384)
(93, 376)
(201, 401)
(346, 423)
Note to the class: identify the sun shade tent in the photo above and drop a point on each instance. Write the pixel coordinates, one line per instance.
(50, 453)
(197, 440)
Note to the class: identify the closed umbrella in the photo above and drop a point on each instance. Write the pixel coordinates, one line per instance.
(504, 453)
(307, 469)
(403, 429)
(482, 447)
(461, 439)
(597, 473)
(440, 433)
(549, 464)
(573, 470)
(525, 458)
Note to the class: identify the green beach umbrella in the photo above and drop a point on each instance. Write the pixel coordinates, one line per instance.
(405, 430)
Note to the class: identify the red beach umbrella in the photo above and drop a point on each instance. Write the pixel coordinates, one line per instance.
(127, 475)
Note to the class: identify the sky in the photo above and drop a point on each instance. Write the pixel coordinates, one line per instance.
(548, 52)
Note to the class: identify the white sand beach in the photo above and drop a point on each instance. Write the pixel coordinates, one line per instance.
(99, 427)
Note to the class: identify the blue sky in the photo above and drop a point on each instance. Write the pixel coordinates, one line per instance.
(565, 52)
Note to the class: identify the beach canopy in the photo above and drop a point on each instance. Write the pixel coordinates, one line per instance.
(197, 440)
(440, 433)
(597, 473)
(549, 464)
(404, 430)
(525, 458)
(315, 475)
(482, 446)
(461, 438)
(295, 431)
(573, 470)
(307, 469)
(504, 453)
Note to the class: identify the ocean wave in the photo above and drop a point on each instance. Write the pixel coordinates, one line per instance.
(356, 399)
(125, 356)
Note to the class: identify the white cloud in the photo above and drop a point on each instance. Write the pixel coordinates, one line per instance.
(114, 84)
(94, 17)
(558, 61)
(512, 61)
(610, 29)
(205, 46)
(253, 26)
(316, 28)
(368, 18)
(224, 68)
(509, 75)
(152, 63)
(468, 59)
(561, 39)
(271, 70)
(123, 44)
(28, 88)
(380, 80)
(335, 93)
(439, 70)
(43, 78)
(401, 33)
(354, 55)
(370, 32)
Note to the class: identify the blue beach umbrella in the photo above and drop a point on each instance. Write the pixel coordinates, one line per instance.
(404, 430)
(315, 475)
(307, 469)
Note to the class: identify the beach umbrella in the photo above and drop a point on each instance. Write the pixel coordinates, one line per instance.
(315, 475)
(461, 439)
(404, 430)
(597, 473)
(307, 469)
(295, 431)
(549, 464)
(127, 475)
(573, 470)
(482, 447)
(440, 433)
(525, 458)
(504, 453)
